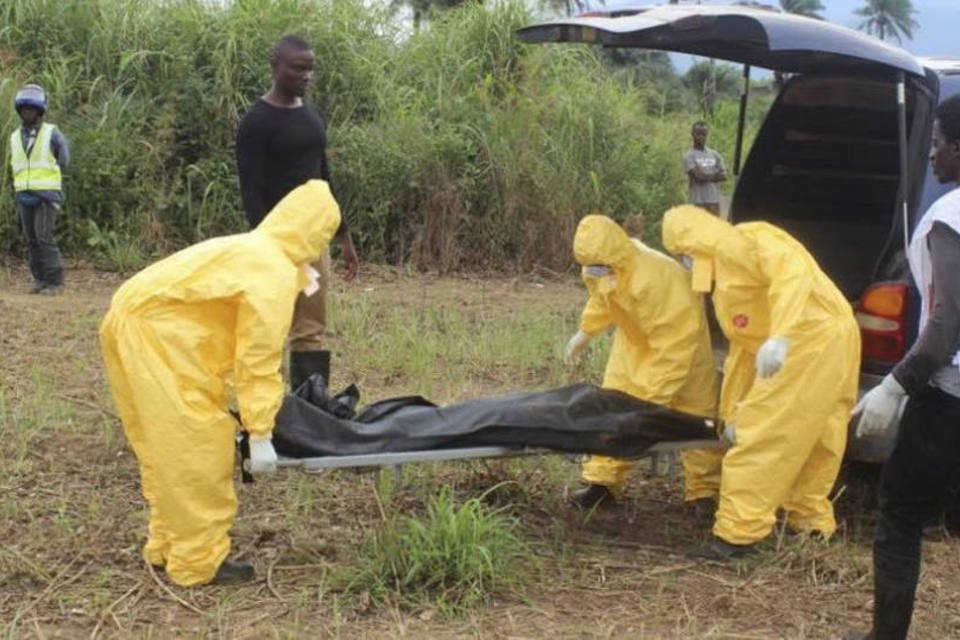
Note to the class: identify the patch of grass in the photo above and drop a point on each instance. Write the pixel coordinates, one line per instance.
(454, 557)
(27, 413)
(450, 351)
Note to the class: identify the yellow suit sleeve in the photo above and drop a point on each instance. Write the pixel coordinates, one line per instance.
(264, 314)
(673, 331)
(790, 283)
(738, 377)
(595, 316)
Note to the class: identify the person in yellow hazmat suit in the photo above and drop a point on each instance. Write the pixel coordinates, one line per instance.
(661, 349)
(790, 377)
(178, 335)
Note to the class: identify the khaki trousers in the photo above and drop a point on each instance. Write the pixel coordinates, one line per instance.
(310, 313)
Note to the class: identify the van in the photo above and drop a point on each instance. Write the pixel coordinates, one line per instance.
(841, 160)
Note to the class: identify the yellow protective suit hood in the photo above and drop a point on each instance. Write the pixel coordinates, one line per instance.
(600, 240)
(661, 349)
(177, 337)
(695, 232)
(692, 230)
(303, 223)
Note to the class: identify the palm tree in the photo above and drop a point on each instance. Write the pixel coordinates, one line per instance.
(809, 8)
(421, 9)
(891, 18)
(571, 7)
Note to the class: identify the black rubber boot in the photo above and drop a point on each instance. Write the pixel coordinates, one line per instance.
(894, 588)
(304, 364)
(814, 534)
(592, 495)
(720, 550)
(703, 509)
(233, 572)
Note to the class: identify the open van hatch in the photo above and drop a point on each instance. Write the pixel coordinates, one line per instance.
(830, 159)
(841, 159)
(757, 37)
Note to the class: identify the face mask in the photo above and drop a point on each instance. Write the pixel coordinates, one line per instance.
(313, 280)
(597, 271)
(701, 276)
(607, 285)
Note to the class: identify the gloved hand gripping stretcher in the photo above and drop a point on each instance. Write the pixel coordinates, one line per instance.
(315, 431)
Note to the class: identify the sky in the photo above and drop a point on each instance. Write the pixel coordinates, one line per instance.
(939, 24)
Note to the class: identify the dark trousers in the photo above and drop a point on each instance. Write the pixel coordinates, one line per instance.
(921, 473)
(38, 222)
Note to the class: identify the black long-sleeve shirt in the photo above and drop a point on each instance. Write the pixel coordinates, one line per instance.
(930, 360)
(278, 149)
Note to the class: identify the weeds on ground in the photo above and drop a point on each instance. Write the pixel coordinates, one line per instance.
(454, 557)
(72, 519)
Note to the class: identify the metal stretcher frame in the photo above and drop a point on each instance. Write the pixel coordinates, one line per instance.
(397, 459)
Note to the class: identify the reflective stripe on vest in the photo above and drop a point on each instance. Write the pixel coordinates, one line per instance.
(39, 170)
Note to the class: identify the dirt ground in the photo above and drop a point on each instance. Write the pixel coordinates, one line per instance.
(71, 522)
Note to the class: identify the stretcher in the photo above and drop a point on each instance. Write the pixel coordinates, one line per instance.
(396, 460)
(316, 432)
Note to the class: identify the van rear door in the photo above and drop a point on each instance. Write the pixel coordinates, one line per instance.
(758, 37)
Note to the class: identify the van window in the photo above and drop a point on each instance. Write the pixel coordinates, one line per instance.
(825, 168)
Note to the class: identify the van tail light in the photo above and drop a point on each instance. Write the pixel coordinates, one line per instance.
(881, 314)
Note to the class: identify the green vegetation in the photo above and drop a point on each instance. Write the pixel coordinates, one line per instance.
(454, 556)
(455, 147)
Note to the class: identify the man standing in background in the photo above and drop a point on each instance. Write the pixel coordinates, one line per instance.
(704, 168)
(282, 143)
(38, 153)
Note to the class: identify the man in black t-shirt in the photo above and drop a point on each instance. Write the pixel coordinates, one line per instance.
(282, 143)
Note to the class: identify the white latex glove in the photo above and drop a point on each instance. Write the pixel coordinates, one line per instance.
(575, 347)
(771, 356)
(730, 433)
(878, 408)
(263, 457)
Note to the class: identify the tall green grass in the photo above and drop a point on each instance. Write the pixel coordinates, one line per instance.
(456, 147)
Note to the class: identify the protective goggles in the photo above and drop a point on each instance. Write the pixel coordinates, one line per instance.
(597, 271)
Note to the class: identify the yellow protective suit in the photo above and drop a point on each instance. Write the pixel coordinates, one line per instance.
(177, 335)
(661, 349)
(791, 428)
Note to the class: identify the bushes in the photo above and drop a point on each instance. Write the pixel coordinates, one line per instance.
(457, 147)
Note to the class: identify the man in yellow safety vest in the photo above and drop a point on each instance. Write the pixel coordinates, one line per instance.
(38, 153)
